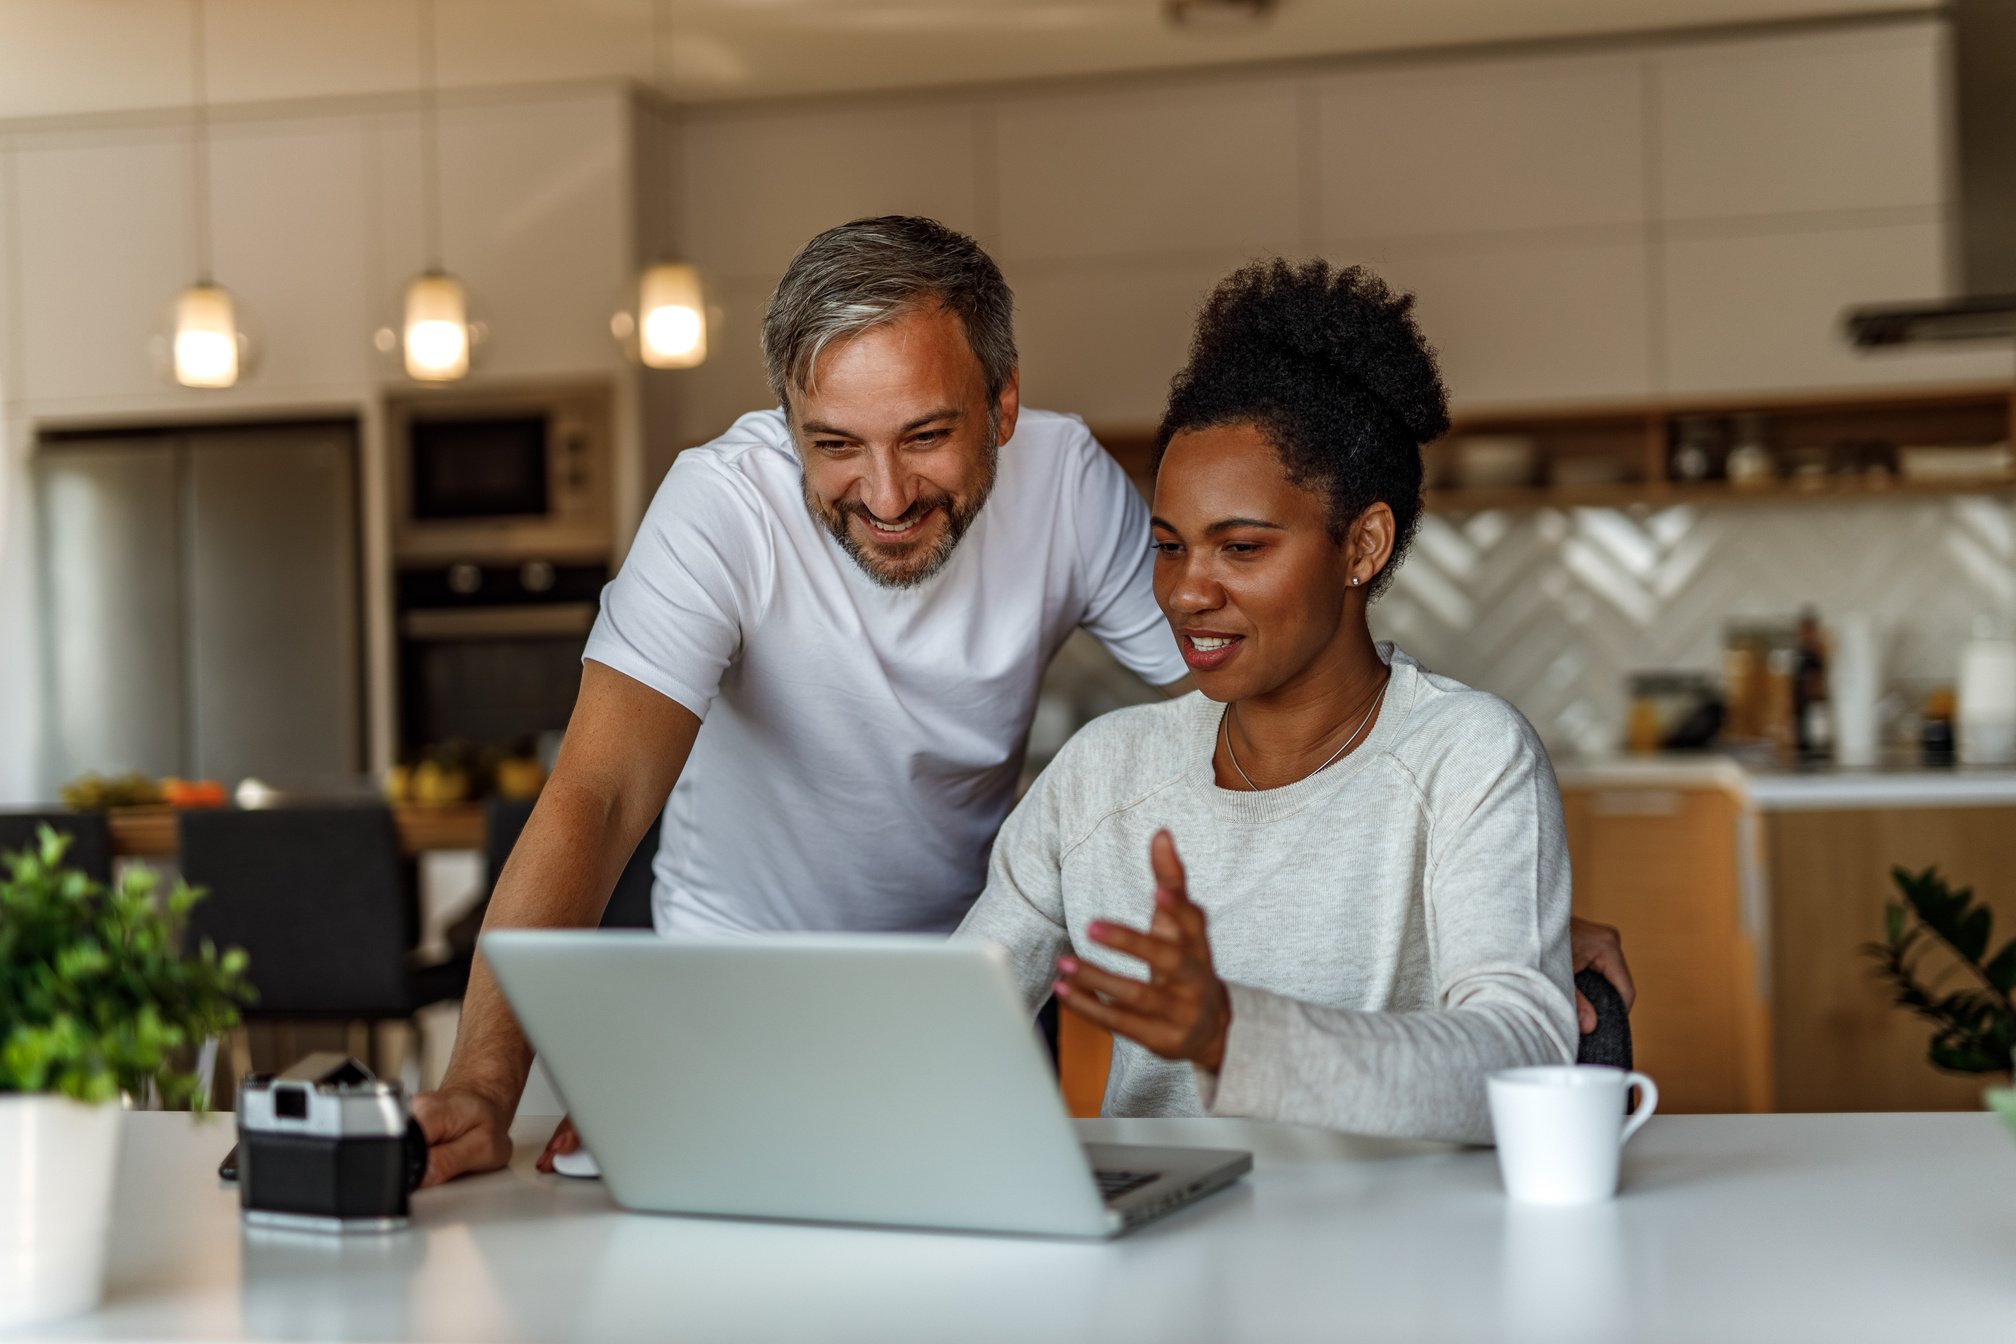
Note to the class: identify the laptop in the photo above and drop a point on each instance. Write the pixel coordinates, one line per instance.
(879, 1079)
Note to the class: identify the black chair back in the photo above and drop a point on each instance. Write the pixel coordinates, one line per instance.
(320, 898)
(1610, 1043)
(90, 838)
(629, 904)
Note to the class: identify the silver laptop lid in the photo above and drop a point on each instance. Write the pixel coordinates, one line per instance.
(849, 1078)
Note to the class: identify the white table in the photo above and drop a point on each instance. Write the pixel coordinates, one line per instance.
(1770, 1228)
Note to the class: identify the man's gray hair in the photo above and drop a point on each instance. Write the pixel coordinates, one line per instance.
(872, 271)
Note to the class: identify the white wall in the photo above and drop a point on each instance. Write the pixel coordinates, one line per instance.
(1682, 218)
(317, 223)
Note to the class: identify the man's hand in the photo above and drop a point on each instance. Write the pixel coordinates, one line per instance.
(1182, 1011)
(1592, 944)
(564, 1140)
(467, 1132)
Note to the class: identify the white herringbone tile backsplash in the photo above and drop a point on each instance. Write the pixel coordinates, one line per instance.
(1553, 609)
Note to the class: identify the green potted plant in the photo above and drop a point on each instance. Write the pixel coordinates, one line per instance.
(1975, 1019)
(98, 1003)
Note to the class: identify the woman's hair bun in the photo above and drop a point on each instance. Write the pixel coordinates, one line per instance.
(1339, 323)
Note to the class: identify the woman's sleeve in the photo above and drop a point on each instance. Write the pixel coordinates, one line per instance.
(1022, 908)
(1497, 895)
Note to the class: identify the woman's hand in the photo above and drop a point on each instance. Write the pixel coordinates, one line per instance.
(1182, 1011)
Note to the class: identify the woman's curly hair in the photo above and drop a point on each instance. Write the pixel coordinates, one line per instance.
(1328, 363)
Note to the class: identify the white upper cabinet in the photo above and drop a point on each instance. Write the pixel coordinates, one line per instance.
(103, 247)
(292, 225)
(1103, 341)
(1482, 146)
(534, 219)
(1209, 166)
(1842, 121)
(758, 186)
(1761, 310)
(1524, 321)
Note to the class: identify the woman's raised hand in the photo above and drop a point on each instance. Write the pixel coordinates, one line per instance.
(1182, 1010)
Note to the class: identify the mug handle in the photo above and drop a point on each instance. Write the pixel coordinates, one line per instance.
(1648, 1102)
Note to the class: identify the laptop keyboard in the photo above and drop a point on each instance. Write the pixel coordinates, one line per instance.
(1113, 1184)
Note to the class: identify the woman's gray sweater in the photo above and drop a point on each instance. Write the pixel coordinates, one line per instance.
(1391, 929)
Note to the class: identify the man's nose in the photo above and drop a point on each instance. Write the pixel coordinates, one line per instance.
(888, 490)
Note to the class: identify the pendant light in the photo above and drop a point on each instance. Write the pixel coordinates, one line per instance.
(671, 320)
(436, 331)
(207, 349)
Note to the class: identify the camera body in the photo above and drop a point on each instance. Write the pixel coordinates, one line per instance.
(327, 1147)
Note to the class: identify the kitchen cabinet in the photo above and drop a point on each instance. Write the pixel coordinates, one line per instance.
(1661, 864)
(1117, 174)
(755, 186)
(1801, 123)
(1838, 1042)
(1516, 144)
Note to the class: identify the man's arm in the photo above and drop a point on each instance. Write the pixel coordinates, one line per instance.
(624, 749)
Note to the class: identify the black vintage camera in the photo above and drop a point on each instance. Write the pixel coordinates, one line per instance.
(327, 1146)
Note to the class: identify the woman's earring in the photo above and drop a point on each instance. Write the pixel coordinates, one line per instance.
(1354, 580)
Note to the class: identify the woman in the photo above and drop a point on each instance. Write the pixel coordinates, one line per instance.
(1369, 913)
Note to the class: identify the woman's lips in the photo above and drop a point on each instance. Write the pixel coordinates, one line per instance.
(1208, 659)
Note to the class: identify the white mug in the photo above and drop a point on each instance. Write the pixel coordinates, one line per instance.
(1560, 1129)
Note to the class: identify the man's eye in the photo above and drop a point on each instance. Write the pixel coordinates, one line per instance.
(931, 437)
(831, 445)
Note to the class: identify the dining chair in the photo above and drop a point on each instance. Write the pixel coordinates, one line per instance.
(90, 838)
(324, 904)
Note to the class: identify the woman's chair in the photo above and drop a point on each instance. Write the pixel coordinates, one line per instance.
(1610, 1043)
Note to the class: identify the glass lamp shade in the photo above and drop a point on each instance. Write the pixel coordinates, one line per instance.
(205, 346)
(437, 329)
(671, 317)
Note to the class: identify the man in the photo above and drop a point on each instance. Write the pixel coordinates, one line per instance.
(858, 593)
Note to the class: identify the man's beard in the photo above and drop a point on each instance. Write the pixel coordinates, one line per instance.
(958, 518)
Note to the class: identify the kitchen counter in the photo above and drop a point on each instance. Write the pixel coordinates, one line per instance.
(149, 832)
(1776, 788)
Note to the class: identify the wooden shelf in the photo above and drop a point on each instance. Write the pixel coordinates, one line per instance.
(1636, 437)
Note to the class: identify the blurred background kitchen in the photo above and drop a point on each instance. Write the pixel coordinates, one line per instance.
(341, 346)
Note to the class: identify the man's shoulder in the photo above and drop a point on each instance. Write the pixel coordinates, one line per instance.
(757, 444)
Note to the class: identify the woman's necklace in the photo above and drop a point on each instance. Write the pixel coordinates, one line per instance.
(1225, 726)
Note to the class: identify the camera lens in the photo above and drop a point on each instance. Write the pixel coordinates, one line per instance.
(290, 1103)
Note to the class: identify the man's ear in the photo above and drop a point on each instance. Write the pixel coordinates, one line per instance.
(1009, 403)
(1370, 544)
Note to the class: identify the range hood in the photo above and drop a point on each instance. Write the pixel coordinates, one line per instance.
(1984, 78)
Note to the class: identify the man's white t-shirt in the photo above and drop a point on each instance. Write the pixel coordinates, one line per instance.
(860, 745)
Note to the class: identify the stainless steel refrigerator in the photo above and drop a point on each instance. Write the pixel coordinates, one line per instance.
(199, 603)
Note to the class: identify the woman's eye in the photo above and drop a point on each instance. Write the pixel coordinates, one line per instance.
(1241, 548)
(1165, 547)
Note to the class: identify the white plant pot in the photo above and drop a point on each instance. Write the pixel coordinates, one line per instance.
(57, 1160)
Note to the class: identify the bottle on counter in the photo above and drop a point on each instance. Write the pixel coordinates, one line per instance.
(1935, 730)
(1812, 723)
(1855, 684)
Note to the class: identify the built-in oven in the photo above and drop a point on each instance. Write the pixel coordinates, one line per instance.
(490, 654)
(501, 477)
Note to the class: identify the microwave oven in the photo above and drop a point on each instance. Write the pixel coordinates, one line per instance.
(501, 477)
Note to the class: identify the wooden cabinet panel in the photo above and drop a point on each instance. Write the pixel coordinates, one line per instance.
(1838, 1042)
(1660, 864)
